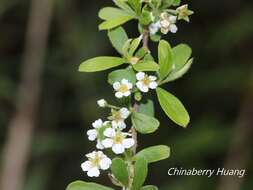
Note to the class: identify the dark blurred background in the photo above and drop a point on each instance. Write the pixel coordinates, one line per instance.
(46, 105)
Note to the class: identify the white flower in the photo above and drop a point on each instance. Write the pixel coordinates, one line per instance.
(118, 118)
(145, 82)
(102, 103)
(122, 88)
(96, 161)
(117, 141)
(154, 27)
(168, 23)
(93, 133)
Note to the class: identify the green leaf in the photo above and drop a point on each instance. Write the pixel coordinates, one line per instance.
(147, 108)
(81, 185)
(172, 106)
(119, 170)
(149, 187)
(144, 123)
(126, 47)
(154, 153)
(109, 24)
(177, 74)
(118, 38)
(136, 4)
(134, 45)
(110, 13)
(146, 66)
(145, 18)
(140, 173)
(176, 2)
(167, 3)
(100, 64)
(181, 55)
(123, 5)
(120, 74)
(165, 58)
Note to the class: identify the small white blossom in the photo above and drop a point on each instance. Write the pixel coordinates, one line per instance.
(96, 161)
(154, 27)
(117, 140)
(118, 118)
(168, 23)
(122, 88)
(145, 82)
(102, 103)
(93, 133)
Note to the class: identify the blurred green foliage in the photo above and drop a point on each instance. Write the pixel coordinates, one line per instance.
(221, 35)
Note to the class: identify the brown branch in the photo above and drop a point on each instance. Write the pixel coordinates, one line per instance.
(22, 124)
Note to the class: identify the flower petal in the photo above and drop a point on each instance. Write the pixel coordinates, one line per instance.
(93, 172)
(140, 76)
(105, 163)
(116, 85)
(118, 148)
(119, 94)
(109, 132)
(107, 143)
(86, 166)
(153, 85)
(128, 143)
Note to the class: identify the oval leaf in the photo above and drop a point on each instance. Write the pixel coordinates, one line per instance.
(81, 185)
(119, 170)
(181, 54)
(178, 74)
(118, 38)
(109, 13)
(120, 74)
(149, 187)
(174, 109)
(100, 64)
(109, 24)
(147, 108)
(154, 153)
(144, 123)
(165, 58)
(146, 66)
(140, 173)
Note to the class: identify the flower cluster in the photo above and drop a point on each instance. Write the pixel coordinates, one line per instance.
(145, 82)
(108, 135)
(167, 20)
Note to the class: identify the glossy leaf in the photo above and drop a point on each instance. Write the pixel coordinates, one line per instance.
(119, 170)
(181, 54)
(134, 45)
(100, 64)
(136, 4)
(110, 13)
(146, 66)
(178, 74)
(154, 153)
(118, 38)
(144, 123)
(140, 173)
(81, 185)
(173, 108)
(120, 74)
(147, 108)
(165, 58)
(109, 24)
(149, 187)
(123, 5)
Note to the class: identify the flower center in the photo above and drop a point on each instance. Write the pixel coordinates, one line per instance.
(123, 88)
(117, 116)
(96, 160)
(118, 138)
(146, 81)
